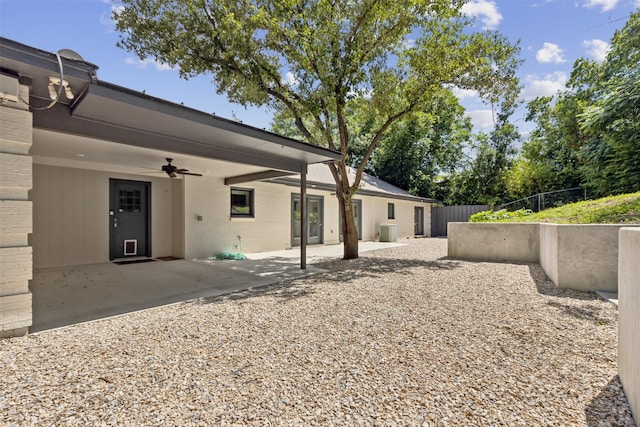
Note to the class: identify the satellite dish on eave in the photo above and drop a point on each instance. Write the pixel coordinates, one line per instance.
(70, 54)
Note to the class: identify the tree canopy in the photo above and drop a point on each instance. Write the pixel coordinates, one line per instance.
(588, 134)
(313, 59)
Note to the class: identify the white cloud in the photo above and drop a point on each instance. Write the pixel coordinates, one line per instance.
(486, 11)
(481, 119)
(605, 4)
(597, 48)
(462, 94)
(107, 19)
(140, 63)
(410, 43)
(550, 52)
(548, 85)
(290, 79)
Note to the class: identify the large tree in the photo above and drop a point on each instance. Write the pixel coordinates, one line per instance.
(612, 121)
(484, 179)
(417, 152)
(394, 53)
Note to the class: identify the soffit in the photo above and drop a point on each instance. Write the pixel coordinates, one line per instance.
(104, 111)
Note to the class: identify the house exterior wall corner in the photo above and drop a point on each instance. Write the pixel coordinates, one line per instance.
(16, 217)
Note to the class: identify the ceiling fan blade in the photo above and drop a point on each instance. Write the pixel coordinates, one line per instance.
(189, 173)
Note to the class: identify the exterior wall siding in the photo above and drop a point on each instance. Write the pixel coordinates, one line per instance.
(16, 223)
(270, 229)
(190, 217)
(218, 232)
(71, 215)
(375, 214)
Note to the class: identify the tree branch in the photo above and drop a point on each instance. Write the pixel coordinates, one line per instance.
(375, 140)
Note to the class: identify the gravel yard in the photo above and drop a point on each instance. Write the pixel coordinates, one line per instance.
(402, 336)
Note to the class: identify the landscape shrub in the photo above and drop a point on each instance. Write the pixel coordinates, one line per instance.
(500, 215)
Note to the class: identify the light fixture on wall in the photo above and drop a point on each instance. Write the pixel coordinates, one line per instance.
(53, 91)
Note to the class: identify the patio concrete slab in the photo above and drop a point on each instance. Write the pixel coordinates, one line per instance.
(69, 295)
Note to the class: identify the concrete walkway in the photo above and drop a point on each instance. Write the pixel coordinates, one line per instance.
(69, 295)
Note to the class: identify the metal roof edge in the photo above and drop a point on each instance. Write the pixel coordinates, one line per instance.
(293, 182)
(219, 122)
(11, 49)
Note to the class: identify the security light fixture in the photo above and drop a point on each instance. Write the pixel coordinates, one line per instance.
(53, 91)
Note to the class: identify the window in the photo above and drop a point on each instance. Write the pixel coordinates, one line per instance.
(391, 211)
(130, 200)
(241, 202)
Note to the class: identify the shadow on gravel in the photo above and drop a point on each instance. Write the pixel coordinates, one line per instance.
(610, 407)
(375, 267)
(583, 313)
(287, 290)
(546, 287)
(337, 271)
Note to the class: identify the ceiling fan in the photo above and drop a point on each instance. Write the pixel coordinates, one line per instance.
(172, 170)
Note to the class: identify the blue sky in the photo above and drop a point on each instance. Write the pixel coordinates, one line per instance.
(552, 33)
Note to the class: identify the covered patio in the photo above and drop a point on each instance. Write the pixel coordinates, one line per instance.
(82, 157)
(65, 296)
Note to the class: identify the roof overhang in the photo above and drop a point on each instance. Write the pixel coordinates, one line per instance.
(295, 182)
(105, 111)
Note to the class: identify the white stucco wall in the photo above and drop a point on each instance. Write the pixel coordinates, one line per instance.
(71, 215)
(71, 222)
(375, 213)
(629, 316)
(219, 232)
(270, 229)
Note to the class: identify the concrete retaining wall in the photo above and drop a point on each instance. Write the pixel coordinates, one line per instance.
(549, 250)
(629, 316)
(501, 242)
(582, 257)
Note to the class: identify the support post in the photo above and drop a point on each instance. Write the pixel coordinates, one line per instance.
(303, 218)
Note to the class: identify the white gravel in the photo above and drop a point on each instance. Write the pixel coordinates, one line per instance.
(402, 336)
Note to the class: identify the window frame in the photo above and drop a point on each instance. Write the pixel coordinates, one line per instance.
(391, 211)
(251, 195)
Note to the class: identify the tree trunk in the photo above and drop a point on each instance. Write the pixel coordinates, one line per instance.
(349, 230)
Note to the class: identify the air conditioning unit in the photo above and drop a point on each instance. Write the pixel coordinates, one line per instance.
(388, 232)
(9, 88)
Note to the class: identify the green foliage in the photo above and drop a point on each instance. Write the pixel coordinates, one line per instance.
(483, 178)
(415, 151)
(231, 256)
(339, 54)
(500, 215)
(613, 121)
(589, 134)
(621, 209)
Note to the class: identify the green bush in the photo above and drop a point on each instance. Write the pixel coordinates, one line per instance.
(230, 255)
(501, 215)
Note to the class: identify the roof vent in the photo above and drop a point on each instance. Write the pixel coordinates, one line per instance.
(70, 54)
